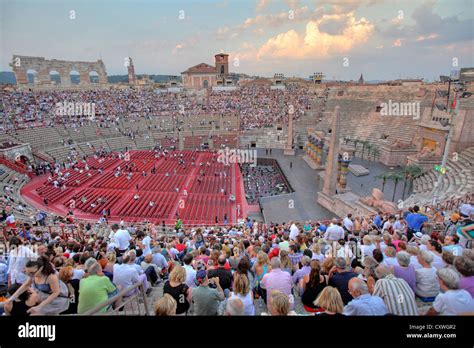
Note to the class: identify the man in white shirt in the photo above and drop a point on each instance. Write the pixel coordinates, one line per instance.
(122, 238)
(334, 232)
(466, 210)
(19, 256)
(190, 271)
(451, 300)
(348, 224)
(294, 231)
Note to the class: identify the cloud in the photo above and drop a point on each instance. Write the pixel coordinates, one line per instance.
(397, 43)
(429, 37)
(262, 5)
(316, 43)
(429, 28)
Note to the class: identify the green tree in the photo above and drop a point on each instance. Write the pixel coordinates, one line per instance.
(384, 177)
(396, 177)
(375, 152)
(364, 145)
(410, 172)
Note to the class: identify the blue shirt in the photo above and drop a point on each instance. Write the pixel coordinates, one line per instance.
(323, 228)
(378, 221)
(159, 260)
(366, 305)
(414, 221)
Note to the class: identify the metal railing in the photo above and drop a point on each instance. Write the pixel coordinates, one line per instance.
(127, 305)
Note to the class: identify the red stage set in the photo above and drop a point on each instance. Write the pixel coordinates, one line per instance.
(169, 189)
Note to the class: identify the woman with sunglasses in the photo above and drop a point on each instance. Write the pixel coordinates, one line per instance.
(52, 292)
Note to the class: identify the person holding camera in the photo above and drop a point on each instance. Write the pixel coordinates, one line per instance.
(208, 296)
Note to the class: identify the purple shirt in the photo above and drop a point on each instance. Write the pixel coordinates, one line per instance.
(407, 273)
(277, 280)
(300, 273)
(467, 283)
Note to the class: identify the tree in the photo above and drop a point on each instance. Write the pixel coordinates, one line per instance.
(410, 172)
(369, 148)
(384, 177)
(364, 145)
(375, 152)
(396, 177)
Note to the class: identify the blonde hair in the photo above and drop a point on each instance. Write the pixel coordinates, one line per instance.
(390, 251)
(241, 284)
(111, 256)
(178, 274)
(316, 248)
(280, 303)
(165, 306)
(367, 240)
(285, 260)
(262, 258)
(330, 300)
(327, 264)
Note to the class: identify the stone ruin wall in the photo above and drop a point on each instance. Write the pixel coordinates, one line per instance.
(43, 67)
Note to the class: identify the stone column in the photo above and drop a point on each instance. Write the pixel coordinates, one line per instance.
(65, 77)
(20, 76)
(85, 79)
(43, 76)
(102, 78)
(330, 174)
(289, 142)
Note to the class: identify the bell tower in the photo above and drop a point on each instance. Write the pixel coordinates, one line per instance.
(222, 63)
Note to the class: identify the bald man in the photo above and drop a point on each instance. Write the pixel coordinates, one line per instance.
(363, 303)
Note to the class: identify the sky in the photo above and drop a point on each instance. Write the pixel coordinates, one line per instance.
(381, 39)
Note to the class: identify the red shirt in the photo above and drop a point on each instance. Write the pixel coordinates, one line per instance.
(180, 247)
(274, 252)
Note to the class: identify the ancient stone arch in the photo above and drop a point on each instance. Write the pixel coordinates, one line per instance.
(21, 64)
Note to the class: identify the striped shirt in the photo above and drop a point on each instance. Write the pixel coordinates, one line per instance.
(397, 295)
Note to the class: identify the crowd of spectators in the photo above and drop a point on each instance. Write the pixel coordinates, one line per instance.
(350, 266)
(257, 107)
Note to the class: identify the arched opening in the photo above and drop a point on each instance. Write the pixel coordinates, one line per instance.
(205, 83)
(93, 77)
(222, 69)
(55, 77)
(75, 77)
(33, 77)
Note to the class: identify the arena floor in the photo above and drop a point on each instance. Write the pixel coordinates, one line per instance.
(173, 190)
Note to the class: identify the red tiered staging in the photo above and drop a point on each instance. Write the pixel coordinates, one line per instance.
(196, 193)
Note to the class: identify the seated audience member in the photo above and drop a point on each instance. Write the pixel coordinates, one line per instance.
(241, 290)
(234, 307)
(177, 288)
(94, 289)
(465, 267)
(279, 304)
(339, 277)
(206, 299)
(404, 270)
(311, 286)
(166, 306)
(395, 292)
(427, 286)
(21, 305)
(363, 303)
(330, 301)
(277, 279)
(52, 292)
(225, 276)
(451, 300)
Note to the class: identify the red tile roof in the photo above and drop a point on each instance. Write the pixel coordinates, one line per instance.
(201, 68)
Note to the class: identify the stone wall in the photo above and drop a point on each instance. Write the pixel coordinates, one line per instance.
(43, 67)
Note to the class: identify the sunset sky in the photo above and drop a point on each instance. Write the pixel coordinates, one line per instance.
(383, 39)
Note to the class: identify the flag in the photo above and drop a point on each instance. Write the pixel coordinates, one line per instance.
(453, 104)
